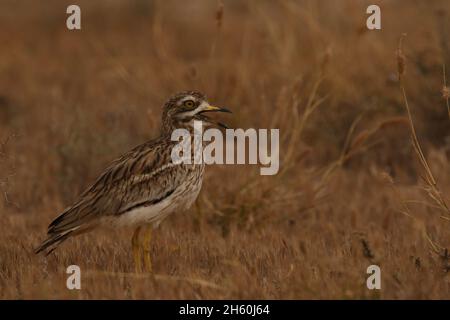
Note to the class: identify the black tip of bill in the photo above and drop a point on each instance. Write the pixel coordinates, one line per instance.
(224, 110)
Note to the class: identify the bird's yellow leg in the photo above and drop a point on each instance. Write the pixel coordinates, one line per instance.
(136, 250)
(147, 243)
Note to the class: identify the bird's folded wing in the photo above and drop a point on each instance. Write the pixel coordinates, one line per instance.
(139, 177)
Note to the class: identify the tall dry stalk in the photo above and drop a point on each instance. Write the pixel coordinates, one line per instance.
(431, 186)
(446, 91)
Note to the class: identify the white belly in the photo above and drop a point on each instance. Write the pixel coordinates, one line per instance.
(154, 214)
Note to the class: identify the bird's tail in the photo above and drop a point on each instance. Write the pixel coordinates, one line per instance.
(67, 224)
(52, 242)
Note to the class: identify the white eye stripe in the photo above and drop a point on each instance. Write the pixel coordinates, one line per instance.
(187, 98)
(203, 105)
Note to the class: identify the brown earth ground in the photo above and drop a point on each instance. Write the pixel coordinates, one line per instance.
(349, 192)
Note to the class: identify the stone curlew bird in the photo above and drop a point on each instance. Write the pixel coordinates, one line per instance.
(142, 187)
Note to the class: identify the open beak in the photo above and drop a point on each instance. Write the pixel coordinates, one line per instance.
(210, 108)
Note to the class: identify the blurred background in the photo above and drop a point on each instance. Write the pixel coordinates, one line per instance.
(72, 101)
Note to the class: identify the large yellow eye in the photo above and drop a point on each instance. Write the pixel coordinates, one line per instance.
(189, 104)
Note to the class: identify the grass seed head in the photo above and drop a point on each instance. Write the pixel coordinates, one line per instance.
(401, 59)
(219, 14)
(445, 92)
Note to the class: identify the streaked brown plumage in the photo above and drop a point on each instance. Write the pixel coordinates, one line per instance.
(141, 187)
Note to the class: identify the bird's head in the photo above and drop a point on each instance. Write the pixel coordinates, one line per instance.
(185, 107)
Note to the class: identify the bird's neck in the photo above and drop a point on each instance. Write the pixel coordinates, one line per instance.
(171, 125)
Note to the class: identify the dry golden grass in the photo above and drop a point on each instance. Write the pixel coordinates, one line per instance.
(349, 192)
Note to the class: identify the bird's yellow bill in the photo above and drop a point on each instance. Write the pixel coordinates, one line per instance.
(214, 108)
